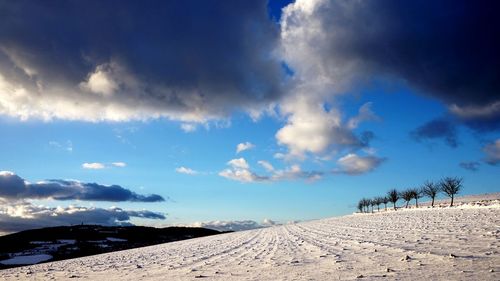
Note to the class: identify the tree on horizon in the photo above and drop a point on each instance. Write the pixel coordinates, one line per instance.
(430, 189)
(407, 195)
(385, 200)
(451, 186)
(393, 196)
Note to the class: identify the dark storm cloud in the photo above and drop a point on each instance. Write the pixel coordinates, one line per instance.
(188, 60)
(14, 187)
(24, 215)
(437, 129)
(446, 49)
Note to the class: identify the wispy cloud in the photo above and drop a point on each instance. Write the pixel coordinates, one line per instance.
(268, 166)
(100, 166)
(67, 146)
(240, 170)
(471, 165)
(187, 171)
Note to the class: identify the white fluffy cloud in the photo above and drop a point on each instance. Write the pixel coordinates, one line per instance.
(93, 166)
(353, 164)
(119, 164)
(492, 151)
(101, 81)
(17, 216)
(244, 146)
(238, 163)
(240, 171)
(184, 170)
(314, 125)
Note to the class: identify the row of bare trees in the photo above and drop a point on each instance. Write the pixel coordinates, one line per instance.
(448, 185)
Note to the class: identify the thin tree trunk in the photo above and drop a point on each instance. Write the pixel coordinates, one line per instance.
(451, 205)
(385, 206)
(394, 205)
(378, 208)
(432, 205)
(416, 202)
(407, 202)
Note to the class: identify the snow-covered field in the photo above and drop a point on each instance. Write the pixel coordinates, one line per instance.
(460, 243)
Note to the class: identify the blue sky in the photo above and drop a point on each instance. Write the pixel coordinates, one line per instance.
(336, 126)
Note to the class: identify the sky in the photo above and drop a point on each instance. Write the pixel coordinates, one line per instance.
(240, 114)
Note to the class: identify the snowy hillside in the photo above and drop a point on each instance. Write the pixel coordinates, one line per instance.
(461, 243)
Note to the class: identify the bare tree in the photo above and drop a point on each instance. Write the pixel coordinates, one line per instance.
(360, 205)
(372, 203)
(375, 202)
(407, 195)
(378, 201)
(430, 190)
(393, 196)
(417, 194)
(451, 186)
(366, 204)
(385, 200)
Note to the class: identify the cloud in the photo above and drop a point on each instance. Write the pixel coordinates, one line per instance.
(188, 127)
(68, 146)
(93, 166)
(244, 146)
(266, 165)
(295, 172)
(14, 187)
(492, 151)
(242, 175)
(187, 171)
(23, 215)
(234, 225)
(99, 166)
(239, 163)
(240, 171)
(183, 60)
(353, 164)
(365, 113)
(445, 49)
(311, 128)
(119, 164)
(437, 129)
(471, 166)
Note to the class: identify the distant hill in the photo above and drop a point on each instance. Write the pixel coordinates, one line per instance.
(63, 242)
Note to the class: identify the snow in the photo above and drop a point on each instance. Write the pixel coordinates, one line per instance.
(460, 243)
(30, 259)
